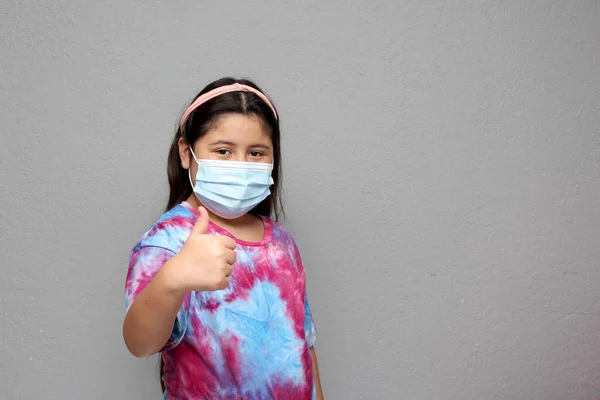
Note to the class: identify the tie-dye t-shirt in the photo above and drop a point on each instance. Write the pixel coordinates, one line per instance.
(248, 341)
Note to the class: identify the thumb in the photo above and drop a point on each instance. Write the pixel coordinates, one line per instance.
(201, 225)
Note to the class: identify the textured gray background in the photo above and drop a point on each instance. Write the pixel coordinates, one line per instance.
(442, 166)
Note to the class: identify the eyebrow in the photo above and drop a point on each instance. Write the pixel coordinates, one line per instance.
(227, 143)
(219, 142)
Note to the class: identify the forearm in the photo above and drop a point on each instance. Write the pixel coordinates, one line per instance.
(149, 320)
(316, 375)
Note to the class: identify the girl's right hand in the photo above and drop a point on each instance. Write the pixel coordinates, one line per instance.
(204, 262)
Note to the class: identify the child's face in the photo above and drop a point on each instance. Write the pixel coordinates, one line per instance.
(233, 137)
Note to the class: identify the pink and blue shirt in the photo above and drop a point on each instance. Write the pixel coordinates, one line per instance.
(249, 341)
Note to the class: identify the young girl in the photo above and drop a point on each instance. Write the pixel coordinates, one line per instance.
(215, 285)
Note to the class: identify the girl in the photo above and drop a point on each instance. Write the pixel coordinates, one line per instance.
(215, 285)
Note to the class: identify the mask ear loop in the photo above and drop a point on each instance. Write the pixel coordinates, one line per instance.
(190, 178)
(190, 170)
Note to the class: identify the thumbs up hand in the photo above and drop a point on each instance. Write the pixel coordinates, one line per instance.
(204, 262)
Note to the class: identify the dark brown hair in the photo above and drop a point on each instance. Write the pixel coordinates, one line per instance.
(200, 122)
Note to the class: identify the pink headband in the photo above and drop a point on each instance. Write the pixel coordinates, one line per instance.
(236, 87)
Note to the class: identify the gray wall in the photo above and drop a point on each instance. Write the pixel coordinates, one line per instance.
(442, 165)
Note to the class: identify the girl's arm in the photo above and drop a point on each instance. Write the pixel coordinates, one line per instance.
(149, 321)
(317, 378)
(203, 264)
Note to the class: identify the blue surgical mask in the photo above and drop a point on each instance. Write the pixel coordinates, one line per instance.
(230, 189)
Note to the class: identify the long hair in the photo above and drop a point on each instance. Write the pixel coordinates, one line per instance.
(199, 123)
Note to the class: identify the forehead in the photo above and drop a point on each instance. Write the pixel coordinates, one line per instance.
(238, 128)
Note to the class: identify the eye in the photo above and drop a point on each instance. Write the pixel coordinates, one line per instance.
(223, 152)
(256, 154)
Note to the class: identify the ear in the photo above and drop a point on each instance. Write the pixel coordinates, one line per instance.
(184, 153)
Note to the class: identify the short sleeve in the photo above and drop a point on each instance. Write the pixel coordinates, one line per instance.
(143, 266)
(310, 332)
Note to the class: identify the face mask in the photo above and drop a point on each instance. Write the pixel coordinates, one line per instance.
(230, 189)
